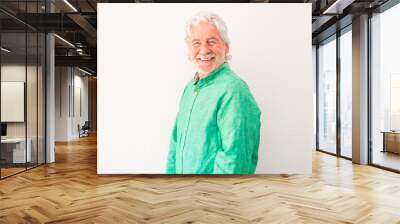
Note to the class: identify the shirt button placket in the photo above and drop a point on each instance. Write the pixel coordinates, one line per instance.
(196, 91)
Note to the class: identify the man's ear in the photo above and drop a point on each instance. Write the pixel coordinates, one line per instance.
(227, 56)
(227, 49)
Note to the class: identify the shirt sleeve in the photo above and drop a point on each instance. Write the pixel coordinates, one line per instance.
(238, 120)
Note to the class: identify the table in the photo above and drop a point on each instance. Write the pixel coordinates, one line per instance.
(13, 150)
(391, 141)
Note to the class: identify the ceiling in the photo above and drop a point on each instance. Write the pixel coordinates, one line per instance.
(76, 22)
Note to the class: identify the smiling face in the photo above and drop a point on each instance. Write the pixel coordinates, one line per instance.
(206, 47)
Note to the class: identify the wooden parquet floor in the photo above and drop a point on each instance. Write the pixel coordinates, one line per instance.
(70, 191)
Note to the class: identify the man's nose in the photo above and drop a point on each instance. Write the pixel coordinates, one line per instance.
(204, 49)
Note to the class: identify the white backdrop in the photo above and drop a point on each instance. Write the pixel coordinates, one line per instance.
(143, 68)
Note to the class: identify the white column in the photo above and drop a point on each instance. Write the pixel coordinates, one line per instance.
(50, 92)
(360, 90)
(50, 100)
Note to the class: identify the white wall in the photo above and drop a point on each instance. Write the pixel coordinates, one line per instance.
(142, 72)
(80, 84)
(68, 82)
(61, 103)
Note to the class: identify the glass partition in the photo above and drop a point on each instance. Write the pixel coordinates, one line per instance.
(385, 89)
(13, 109)
(346, 93)
(32, 95)
(41, 109)
(22, 67)
(327, 96)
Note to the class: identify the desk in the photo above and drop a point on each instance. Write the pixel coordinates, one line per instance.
(391, 141)
(13, 150)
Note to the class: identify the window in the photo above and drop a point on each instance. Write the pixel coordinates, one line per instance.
(385, 88)
(327, 96)
(346, 93)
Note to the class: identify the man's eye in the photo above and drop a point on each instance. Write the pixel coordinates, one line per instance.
(196, 44)
(211, 42)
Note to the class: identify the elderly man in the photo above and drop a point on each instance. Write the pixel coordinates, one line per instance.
(217, 129)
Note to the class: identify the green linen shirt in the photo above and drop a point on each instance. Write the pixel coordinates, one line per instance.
(217, 129)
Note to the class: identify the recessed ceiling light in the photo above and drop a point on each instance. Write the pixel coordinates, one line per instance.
(84, 71)
(64, 40)
(5, 50)
(70, 5)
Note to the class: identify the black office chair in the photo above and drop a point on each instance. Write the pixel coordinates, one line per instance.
(84, 130)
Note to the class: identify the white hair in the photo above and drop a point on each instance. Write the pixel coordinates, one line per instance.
(211, 18)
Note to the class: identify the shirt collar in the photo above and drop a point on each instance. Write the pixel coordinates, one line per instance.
(211, 76)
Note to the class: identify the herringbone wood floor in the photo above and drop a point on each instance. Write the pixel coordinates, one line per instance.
(69, 191)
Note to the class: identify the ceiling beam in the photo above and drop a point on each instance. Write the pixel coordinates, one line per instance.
(337, 6)
(85, 25)
(84, 61)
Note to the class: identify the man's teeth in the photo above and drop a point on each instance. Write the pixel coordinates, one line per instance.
(204, 59)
